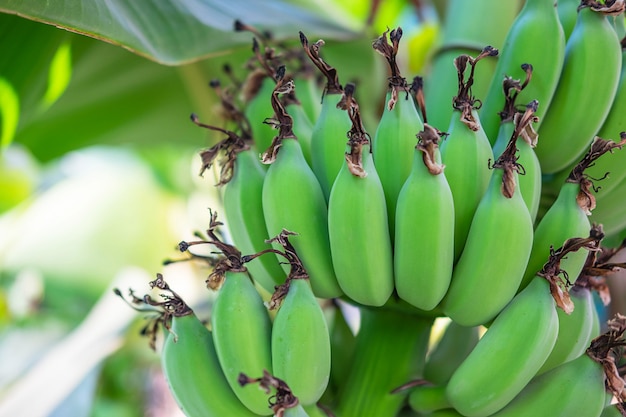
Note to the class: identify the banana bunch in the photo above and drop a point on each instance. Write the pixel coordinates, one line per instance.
(489, 196)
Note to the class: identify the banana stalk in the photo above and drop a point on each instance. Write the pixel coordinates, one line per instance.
(390, 350)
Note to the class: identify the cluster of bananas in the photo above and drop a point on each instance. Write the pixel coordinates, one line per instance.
(408, 231)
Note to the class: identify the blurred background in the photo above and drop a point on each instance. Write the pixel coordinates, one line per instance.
(99, 173)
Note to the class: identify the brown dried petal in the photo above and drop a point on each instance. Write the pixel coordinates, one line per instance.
(585, 199)
(561, 298)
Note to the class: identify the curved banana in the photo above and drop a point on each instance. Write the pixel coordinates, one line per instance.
(191, 366)
(498, 245)
(572, 120)
(536, 37)
(241, 178)
(293, 200)
(530, 182)
(508, 355)
(425, 399)
(394, 140)
(390, 350)
(241, 328)
(358, 229)
(424, 240)
(258, 90)
(610, 168)
(464, 33)
(300, 335)
(568, 12)
(574, 329)
(575, 388)
(610, 210)
(466, 152)
(450, 351)
(567, 217)
(328, 140)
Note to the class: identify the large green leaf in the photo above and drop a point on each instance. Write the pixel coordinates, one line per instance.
(173, 32)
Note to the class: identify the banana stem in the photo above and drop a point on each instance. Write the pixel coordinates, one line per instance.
(390, 350)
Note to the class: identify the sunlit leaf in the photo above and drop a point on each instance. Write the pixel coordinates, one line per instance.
(178, 31)
(9, 112)
(59, 75)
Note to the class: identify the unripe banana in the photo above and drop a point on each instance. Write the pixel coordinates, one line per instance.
(466, 153)
(258, 90)
(424, 241)
(425, 399)
(300, 335)
(302, 126)
(575, 388)
(191, 366)
(536, 37)
(508, 355)
(241, 178)
(309, 93)
(391, 348)
(498, 246)
(450, 351)
(574, 329)
(328, 143)
(241, 330)
(530, 182)
(464, 33)
(393, 143)
(568, 12)
(567, 217)
(610, 210)
(613, 125)
(293, 200)
(357, 221)
(572, 120)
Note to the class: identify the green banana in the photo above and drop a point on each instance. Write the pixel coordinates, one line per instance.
(574, 329)
(424, 240)
(572, 120)
(393, 143)
(613, 125)
(425, 399)
(190, 363)
(293, 200)
(508, 355)
(240, 324)
(282, 402)
(242, 178)
(300, 335)
(536, 37)
(567, 216)
(466, 152)
(357, 221)
(302, 126)
(611, 411)
(464, 33)
(390, 350)
(327, 137)
(258, 88)
(498, 246)
(568, 12)
(530, 183)
(575, 388)
(449, 352)
(610, 211)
